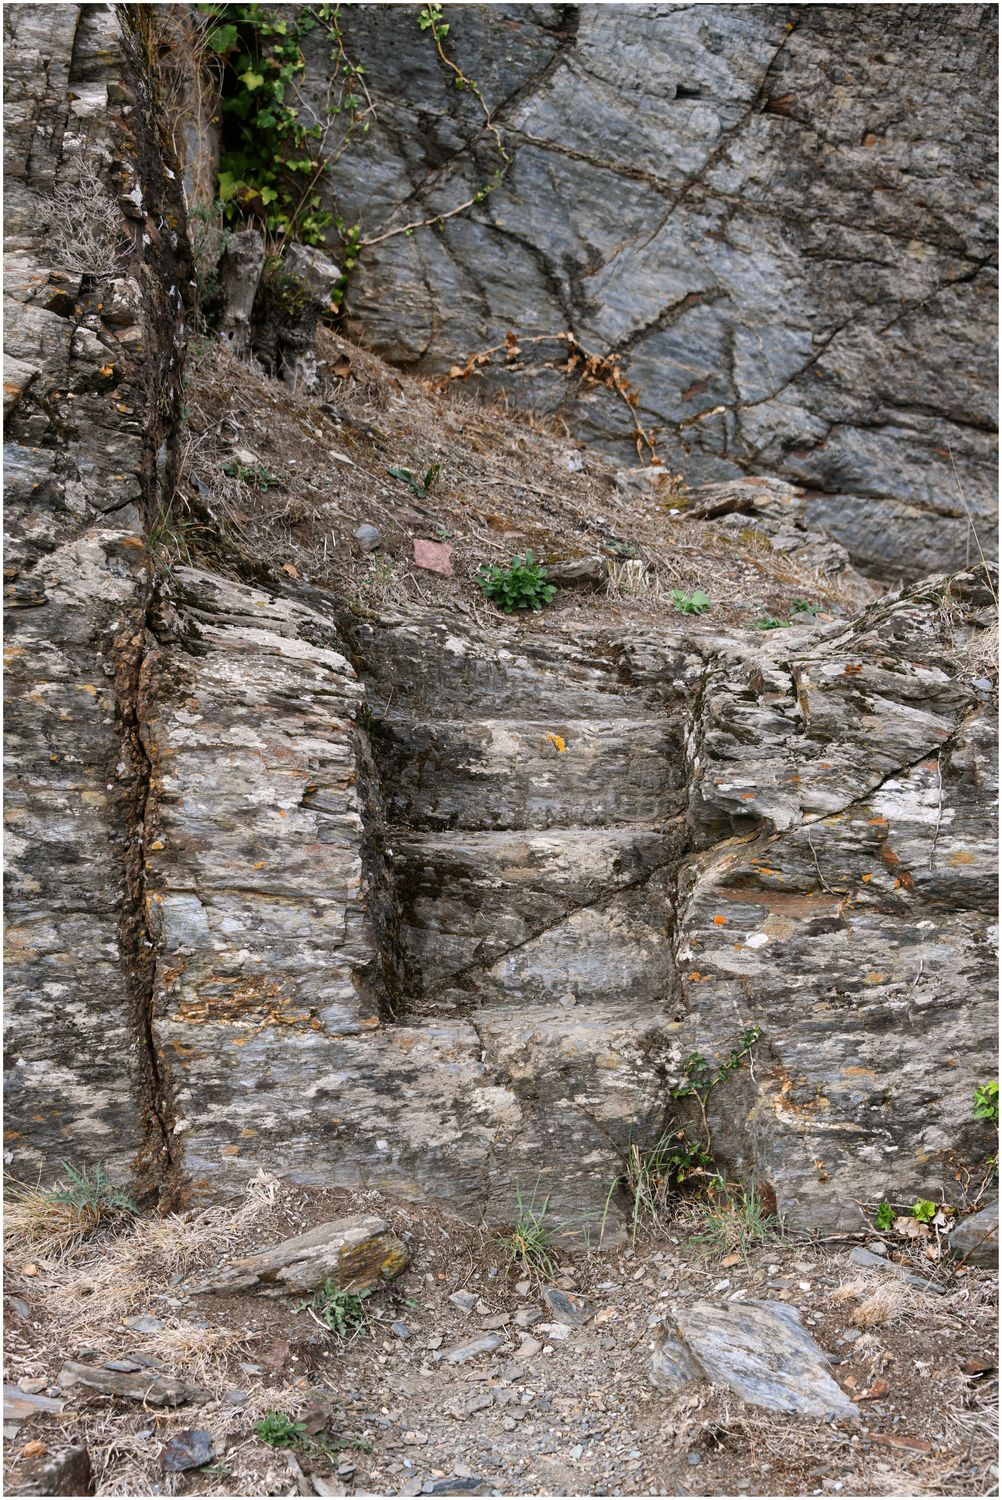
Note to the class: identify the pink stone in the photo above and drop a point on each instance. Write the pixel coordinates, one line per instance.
(434, 556)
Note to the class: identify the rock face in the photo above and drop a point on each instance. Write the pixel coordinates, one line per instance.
(387, 898)
(93, 330)
(793, 253)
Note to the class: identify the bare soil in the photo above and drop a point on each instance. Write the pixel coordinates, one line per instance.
(577, 1416)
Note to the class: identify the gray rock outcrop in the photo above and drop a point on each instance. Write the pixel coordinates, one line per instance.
(386, 898)
(758, 1350)
(780, 217)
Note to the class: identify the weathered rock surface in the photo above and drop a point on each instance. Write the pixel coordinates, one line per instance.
(386, 899)
(794, 252)
(756, 1349)
(976, 1238)
(92, 393)
(144, 1385)
(62, 1471)
(352, 1253)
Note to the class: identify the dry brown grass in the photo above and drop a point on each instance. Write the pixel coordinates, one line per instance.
(877, 1301)
(502, 486)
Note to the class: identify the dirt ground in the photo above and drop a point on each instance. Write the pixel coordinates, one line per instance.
(279, 482)
(559, 1415)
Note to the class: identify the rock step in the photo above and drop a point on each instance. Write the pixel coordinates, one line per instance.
(419, 658)
(569, 914)
(528, 774)
(466, 1111)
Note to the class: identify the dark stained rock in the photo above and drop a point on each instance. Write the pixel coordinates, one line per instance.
(188, 1449)
(975, 1240)
(62, 1471)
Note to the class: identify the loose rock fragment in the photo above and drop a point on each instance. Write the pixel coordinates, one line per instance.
(758, 1350)
(151, 1389)
(360, 1252)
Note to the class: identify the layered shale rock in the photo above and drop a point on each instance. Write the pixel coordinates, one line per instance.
(93, 334)
(388, 896)
(780, 217)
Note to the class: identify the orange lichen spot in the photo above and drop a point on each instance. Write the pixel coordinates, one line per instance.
(558, 742)
(962, 857)
(874, 977)
(748, 796)
(905, 881)
(230, 1151)
(765, 870)
(720, 921)
(259, 864)
(107, 370)
(857, 1072)
(866, 879)
(697, 978)
(889, 857)
(877, 822)
(282, 812)
(248, 1131)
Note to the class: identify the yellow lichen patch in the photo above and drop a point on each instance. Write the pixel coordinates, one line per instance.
(874, 977)
(866, 879)
(962, 857)
(558, 743)
(88, 687)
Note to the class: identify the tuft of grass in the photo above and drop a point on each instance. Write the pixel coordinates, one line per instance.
(876, 1303)
(340, 1311)
(55, 1219)
(738, 1222)
(530, 1239)
(653, 1175)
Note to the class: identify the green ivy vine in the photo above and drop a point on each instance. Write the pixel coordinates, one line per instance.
(280, 146)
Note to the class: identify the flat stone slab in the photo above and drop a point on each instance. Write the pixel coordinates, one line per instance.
(149, 1388)
(358, 1252)
(758, 1350)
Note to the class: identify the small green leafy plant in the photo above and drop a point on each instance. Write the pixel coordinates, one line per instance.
(419, 487)
(280, 1431)
(986, 1103)
(91, 1194)
(769, 622)
(696, 603)
(923, 1211)
(522, 585)
(884, 1218)
(256, 475)
(55, 1218)
(340, 1311)
(803, 607)
(529, 1241)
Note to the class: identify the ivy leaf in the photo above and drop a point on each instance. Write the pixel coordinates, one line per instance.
(251, 80)
(229, 186)
(222, 38)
